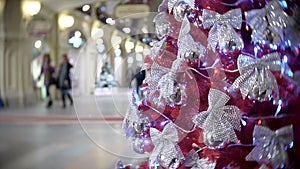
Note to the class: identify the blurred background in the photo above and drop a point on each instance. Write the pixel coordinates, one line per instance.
(106, 43)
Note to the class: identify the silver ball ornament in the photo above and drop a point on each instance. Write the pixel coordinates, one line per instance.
(138, 145)
(162, 30)
(211, 139)
(179, 95)
(180, 10)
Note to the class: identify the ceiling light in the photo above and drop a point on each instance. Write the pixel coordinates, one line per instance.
(31, 7)
(85, 8)
(65, 21)
(126, 30)
(38, 44)
(77, 34)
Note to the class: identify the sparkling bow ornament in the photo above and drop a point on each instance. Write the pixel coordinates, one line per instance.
(157, 45)
(177, 97)
(156, 73)
(222, 32)
(267, 23)
(167, 82)
(166, 148)
(256, 78)
(171, 4)
(192, 160)
(131, 117)
(186, 44)
(270, 146)
(219, 121)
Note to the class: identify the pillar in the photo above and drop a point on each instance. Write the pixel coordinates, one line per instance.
(16, 81)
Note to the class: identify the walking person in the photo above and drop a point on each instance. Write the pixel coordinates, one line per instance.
(64, 80)
(47, 71)
(140, 76)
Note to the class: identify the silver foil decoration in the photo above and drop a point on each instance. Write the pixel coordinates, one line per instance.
(291, 32)
(167, 82)
(263, 167)
(156, 73)
(193, 161)
(171, 4)
(219, 121)
(162, 25)
(256, 78)
(203, 163)
(270, 146)
(222, 32)
(165, 142)
(182, 8)
(267, 23)
(157, 45)
(131, 117)
(186, 43)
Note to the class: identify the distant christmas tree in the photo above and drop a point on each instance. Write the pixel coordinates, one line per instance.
(106, 78)
(222, 88)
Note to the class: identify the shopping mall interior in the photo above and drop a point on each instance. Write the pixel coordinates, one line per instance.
(106, 43)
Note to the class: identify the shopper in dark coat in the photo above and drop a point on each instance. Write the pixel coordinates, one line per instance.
(64, 80)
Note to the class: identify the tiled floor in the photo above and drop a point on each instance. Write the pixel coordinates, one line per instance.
(39, 138)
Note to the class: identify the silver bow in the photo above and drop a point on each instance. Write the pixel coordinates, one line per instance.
(165, 142)
(270, 146)
(156, 73)
(219, 120)
(270, 20)
(151, 80)
(171, 4)
(186, 42)
(131, 116)
(132, 120)
(222, 31)
(256, 77)
(193, 161)
(157, 45)
(263, 167)
(167, 82)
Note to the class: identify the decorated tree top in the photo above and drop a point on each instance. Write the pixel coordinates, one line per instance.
(222, 87)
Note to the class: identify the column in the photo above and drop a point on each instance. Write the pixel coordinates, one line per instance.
(16, 81)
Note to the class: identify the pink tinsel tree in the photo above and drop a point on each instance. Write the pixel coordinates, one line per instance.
(222, 87)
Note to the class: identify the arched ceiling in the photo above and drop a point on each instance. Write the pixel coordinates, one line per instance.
(59, 5)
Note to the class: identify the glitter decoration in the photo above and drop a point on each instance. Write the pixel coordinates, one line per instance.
(181, 10)
(186, 43)
(162, 25)
(219, 121)
(171, 4)
(157, 45)
(167, 82)
(267, 23)
(256, 78)
(222, 32)
(270, 146)
(165, 142)
(192, 160)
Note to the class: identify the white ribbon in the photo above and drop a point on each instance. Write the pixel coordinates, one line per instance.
(256, 77)
(270, 17)
(219, 119)
(222, 27)
(165, 143)
(270, 145)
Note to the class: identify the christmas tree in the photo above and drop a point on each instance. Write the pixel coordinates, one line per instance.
(222, 87)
